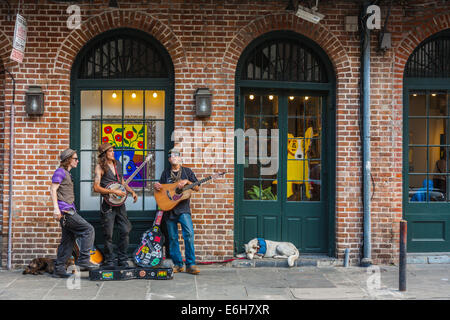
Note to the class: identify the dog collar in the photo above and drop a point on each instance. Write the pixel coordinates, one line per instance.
(262, 246)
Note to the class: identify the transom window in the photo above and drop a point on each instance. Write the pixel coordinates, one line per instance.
(284, 60)
(431, 59)
(123, 56)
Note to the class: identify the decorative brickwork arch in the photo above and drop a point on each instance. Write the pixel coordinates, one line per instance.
(113, 20)
(316, 32)
(5, 46)
(413, 39)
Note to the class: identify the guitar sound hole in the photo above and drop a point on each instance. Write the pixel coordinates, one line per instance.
(178, 191)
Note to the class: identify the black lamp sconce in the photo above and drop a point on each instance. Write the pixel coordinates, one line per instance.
(34, 101)
(203, 100)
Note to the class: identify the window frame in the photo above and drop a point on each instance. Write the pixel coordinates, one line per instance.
(144, 83)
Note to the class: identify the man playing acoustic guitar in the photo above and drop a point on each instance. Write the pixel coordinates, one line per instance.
(109, 170)
(180, 214)
(72, 224)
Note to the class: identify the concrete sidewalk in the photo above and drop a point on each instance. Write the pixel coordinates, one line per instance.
(223, 282)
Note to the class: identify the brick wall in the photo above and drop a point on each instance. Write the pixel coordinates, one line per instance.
(5, 95)
(2, 148)
(205, 39)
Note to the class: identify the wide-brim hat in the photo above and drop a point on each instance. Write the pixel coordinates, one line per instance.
(66, 154)
(103, 148)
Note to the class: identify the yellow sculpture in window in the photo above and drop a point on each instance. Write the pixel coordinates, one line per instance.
(297, 164)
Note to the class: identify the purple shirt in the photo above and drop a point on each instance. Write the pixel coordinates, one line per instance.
(65, 191)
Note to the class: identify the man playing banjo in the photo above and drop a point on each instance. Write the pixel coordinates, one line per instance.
(108, 171)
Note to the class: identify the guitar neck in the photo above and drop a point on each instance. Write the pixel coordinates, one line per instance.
(193, 185)
(136, 171)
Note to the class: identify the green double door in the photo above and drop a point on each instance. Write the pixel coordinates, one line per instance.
(282, 167)
(426, 199)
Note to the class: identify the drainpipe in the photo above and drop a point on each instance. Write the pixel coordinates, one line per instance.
(365, 93)
(11, 156)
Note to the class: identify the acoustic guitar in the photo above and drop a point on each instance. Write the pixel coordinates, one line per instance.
(114, 200)
(150, 253)
(170, 195)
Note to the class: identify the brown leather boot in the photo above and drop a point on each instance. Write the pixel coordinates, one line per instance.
(177, 269)
(193, 269)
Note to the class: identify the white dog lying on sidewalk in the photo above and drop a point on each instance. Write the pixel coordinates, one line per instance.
(259, 248)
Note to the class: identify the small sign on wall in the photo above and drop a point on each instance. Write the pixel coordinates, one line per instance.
(20, 39)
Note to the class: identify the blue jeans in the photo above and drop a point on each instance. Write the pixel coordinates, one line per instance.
(187, 230)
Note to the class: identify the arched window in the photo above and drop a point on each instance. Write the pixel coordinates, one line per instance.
(284, 60)
(122, 93)
(122, 56)
(431, 59)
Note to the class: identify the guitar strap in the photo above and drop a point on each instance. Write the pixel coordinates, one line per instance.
(117, 173)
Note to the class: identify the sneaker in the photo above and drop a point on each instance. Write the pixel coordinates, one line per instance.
(123, 264)
(87, 266)
(108, 265)
(61, 274)
(177, 269)
(193, 269)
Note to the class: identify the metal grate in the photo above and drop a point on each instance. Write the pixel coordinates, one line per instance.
(431, 59)
(122, 57)
(284, 60)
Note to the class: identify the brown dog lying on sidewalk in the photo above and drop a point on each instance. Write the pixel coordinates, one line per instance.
(41, 265)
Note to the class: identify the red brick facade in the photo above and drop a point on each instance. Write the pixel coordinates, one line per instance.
(205, 40)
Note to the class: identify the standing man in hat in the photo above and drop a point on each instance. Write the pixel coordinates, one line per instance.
(72, 224)
(180, 214)
(109, 170)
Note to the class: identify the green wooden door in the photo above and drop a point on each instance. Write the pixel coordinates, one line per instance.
(426, 151)
(281, 187)
(285, 143)
(427, 204)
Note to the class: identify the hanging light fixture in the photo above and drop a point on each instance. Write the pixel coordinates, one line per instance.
(34, 101)
(203, 100)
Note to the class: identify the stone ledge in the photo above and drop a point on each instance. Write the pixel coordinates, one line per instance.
(308, 261)
(427, 258)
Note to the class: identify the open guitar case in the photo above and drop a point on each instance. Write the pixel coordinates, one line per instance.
(148, 258)
(130, 273)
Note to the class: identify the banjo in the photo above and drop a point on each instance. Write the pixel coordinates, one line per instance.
(114, 200)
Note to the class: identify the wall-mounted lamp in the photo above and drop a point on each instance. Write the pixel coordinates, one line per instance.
(34, 101)
(203, 99)
(113, 4)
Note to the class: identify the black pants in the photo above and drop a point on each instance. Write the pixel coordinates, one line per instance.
(109, 217)
(74, 226)
(166, 234)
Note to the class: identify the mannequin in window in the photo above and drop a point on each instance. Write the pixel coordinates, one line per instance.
(439, 180)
